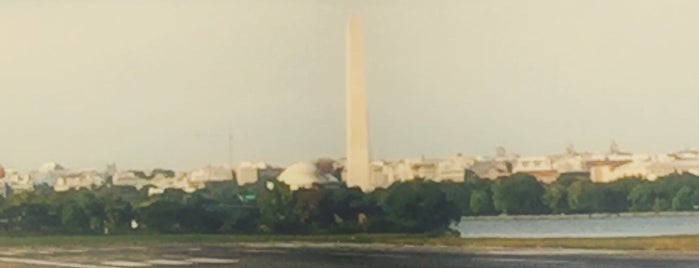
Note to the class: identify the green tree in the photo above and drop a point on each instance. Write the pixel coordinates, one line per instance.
(583, 197)
(519, 194)
(695, 200)
(162, 216)
(481, 203)
(74, 218)
(683, 199)
(642, 197)
(276, 211)
(459, 193)
(613, 196)
(82, 212)
(661, 204)
(556, 198)
(419, 206)
(306, 204)
(566, 179)
(118, 215)
(203, 214)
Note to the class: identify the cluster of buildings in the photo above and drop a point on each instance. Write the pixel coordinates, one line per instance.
(59, 179)
(600, 167)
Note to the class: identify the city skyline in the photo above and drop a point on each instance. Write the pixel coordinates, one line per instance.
(498, 152)
(164, 88)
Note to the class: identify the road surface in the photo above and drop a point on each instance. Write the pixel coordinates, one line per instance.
(329, 255)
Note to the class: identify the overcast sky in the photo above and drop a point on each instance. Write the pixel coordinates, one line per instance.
(161, 83)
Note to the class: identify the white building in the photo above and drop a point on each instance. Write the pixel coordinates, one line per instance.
(304, 175)
(453, 169)
(403, 170)
(199, 177)
(18, 182)
(608, 171)
(541, 167)
(426, 168)
(568, 163)
(382, 174)
(492, 169)
(685, 155)
(249, 172)
(82, 179)
(681, 166)
(159, 183)
(129, 178)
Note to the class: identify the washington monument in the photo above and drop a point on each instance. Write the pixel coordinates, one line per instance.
(357, 130)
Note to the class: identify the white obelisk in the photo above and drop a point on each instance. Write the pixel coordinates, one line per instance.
(357, 129)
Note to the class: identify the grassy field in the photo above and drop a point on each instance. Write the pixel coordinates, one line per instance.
(678, 243)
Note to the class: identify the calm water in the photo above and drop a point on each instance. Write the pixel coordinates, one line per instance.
(581, 225)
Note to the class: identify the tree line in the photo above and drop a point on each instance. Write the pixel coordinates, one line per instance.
(267, 207)
(573, 194)
(271, 207)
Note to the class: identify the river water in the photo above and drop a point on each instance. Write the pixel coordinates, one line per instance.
(602, 225)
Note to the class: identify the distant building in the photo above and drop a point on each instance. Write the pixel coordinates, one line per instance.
(569, 162)
(382, 174)
(305, 175)
(160, 182)
(453, 169)
(48, 173)
(210, 173)
(686, 154)
(541, 167)
(403, 170)
(3, 185)
(78, 180)
(269, 173)
(426, 168)
(609, 170)
(677, 166)
(130, 178)
(249, 172)
(492, 169)
(18, 182)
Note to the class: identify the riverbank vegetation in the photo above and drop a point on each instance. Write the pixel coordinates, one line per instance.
(268, 207)
(271, 207)
(522, 194)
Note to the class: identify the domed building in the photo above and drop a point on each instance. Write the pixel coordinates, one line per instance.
(305, 175)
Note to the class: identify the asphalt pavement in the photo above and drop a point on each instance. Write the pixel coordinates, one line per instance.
(330, 256)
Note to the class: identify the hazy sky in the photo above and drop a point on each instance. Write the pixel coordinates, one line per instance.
(160, 83)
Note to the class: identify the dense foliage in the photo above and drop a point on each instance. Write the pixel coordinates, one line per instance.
(223, 207)
(573, 194)
(418, 206)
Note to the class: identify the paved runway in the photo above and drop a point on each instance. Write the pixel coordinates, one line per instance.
(329, 255)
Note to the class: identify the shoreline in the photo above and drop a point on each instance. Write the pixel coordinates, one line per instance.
(367, 241)
(583, 216)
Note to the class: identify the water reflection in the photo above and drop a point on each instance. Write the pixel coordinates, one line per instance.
(601, 225)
